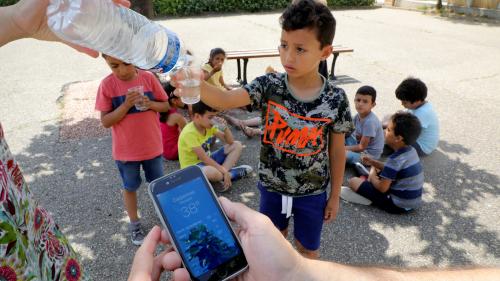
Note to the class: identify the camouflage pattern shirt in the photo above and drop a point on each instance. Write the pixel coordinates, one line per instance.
(294, 147)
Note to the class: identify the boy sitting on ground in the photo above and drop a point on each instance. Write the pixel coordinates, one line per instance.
(412, 93)
(368, 136)
(194, 148)
(395, 186)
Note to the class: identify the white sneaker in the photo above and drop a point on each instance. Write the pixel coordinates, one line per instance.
(350, 196)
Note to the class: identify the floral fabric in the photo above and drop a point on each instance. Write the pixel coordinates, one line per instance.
(32, 247)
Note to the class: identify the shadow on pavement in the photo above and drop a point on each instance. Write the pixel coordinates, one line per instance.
(77, 181)
(441, 231)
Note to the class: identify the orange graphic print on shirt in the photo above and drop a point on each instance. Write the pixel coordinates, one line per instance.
(292, 133)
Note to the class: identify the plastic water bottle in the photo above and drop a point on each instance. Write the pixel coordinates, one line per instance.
(116, 31)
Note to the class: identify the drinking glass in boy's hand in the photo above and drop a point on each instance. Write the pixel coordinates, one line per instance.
(140, 104)
(187, 81)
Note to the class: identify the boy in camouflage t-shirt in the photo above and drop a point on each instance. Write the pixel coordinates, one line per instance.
(305, 118)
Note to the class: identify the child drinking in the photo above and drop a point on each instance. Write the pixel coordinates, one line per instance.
(213, 69)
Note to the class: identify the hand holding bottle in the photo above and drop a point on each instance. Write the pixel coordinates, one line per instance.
(29, 19)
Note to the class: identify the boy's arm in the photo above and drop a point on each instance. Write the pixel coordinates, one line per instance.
(179, 120)
(207, 160)
(361, 146)
(221, 80)
(110, 118)
(381, 184)
(158, 106)
(367, 160)
(336, 155)
(222, 100)
(225, 136)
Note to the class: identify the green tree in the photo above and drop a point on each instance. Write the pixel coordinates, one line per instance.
(439, 4)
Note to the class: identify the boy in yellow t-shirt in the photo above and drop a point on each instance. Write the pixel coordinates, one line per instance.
(194, 148)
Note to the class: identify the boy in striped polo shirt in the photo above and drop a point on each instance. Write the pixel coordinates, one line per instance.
(395, 186)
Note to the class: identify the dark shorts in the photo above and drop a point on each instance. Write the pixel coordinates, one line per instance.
(379, 199)
(218, 156)
(130, 171)
(308, 213)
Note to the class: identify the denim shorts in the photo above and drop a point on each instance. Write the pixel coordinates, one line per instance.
(308, 213)
(130, 171)
(218, 156)
(379, 199)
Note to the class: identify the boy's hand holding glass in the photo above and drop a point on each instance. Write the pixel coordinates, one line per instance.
(187, 80)
(141, 102)
(131, 98)
(366, 159)
(219, 123)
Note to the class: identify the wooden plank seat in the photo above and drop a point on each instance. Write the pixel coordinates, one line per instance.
(245, 55)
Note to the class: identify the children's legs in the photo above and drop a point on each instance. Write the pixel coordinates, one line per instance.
(233, 153)
(231, 120)
(153, 168)
(130, 202)
(305, 252)
(252, 122)
(308, 213)
(354, 183)
(212, 173)
(130, 173)
(270, 205)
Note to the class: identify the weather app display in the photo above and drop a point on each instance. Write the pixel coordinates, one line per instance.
(204, 237)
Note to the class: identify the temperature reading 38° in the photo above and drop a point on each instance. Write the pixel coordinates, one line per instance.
(190, 209)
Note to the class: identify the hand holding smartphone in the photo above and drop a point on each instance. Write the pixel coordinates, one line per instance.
(199, 230)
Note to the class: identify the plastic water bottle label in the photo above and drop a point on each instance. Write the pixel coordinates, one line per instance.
(172, 54)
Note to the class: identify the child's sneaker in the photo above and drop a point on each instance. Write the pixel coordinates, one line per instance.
(137, 235)
(240, 171)
(350, 196)
(361, 169)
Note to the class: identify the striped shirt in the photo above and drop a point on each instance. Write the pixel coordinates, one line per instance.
(405, 171)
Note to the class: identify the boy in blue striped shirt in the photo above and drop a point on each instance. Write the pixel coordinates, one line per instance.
(395, 186)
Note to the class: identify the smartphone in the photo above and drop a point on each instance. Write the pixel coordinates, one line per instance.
(199, 229)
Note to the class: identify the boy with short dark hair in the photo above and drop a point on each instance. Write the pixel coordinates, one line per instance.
(305, 117)
(368, 136)
(397, 185)
(136, 137)
(195, 143)
(412, 93)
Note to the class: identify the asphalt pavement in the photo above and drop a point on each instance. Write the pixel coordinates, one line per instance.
(77, 181)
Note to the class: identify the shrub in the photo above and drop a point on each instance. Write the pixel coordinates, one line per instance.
(195, 7)
(7, 2)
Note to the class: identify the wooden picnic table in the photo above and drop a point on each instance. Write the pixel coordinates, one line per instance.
(245, 55)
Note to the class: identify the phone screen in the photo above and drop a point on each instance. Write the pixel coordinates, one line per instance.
(203, 236)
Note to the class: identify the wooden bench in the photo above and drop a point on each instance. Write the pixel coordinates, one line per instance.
(245, 55)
